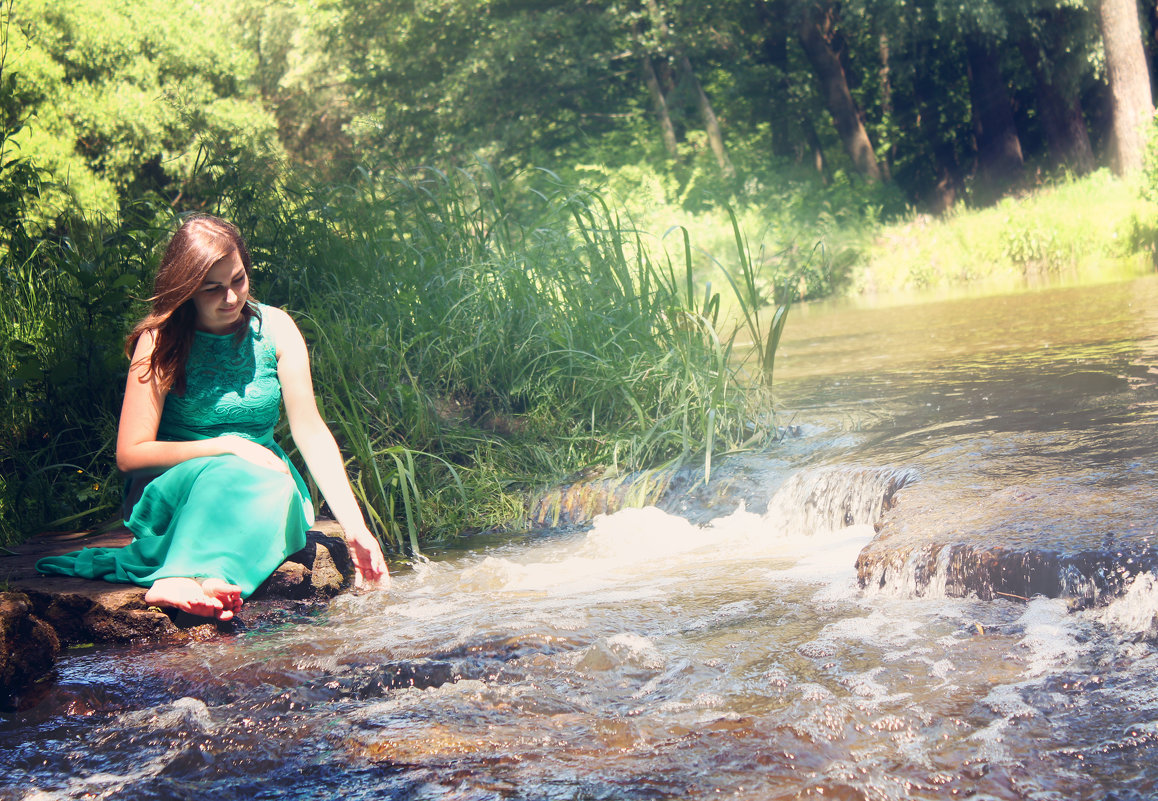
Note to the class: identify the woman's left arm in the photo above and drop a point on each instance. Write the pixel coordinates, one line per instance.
(318, 448)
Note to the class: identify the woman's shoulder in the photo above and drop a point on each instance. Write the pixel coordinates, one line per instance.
(278, 326)
(144, 344)
(274, 314)
(272, 320)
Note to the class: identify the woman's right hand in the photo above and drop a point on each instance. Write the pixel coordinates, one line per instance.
(252, 452)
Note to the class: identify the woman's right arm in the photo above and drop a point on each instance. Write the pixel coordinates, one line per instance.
(137, 445)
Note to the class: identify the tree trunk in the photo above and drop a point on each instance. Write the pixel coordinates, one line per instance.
(886, 102)
(815, 33)
(940, 193)
(1062, 120)
(666, 79)
(1133, 106)
(818, 159)
(776, 55)
(999, 157)
(659, 103)
(708, 115)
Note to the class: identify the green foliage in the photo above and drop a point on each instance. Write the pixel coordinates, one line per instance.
(65, 304)
(115, 97)
(473, 338)
(477, 335)
(786, 212)
(1087, 228)
(497, 333)
(1149, 185)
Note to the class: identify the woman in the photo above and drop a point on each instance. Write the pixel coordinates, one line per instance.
(213, 502)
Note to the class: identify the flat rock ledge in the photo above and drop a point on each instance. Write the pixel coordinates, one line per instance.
(1015, 543)
(40, 615)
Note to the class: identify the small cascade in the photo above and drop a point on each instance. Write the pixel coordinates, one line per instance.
(1135, 613)
(1087, 578)
(580, 502)
(827, 499)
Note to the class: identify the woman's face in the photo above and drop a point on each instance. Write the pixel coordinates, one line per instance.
(222, 296)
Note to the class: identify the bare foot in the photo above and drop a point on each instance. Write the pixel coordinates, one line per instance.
(228, 594)
(215, 598)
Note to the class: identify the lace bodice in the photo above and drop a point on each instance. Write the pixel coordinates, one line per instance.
(230, 388)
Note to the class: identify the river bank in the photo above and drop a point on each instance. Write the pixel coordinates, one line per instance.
(42, 616)
(1095, 229)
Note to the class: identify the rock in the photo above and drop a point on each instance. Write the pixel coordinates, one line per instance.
(28, 645)
(322, 569)
(119, 618)
(1016, 542)
(290, 580)
(325, 578)
(127, 625)
(42, 613)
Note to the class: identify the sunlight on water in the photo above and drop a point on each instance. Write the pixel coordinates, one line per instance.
(722, 659)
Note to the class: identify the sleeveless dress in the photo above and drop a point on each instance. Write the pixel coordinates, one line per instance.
(214, 516)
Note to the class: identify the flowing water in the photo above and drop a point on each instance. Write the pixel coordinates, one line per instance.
(652, 658)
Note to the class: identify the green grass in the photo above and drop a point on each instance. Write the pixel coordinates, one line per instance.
(1095, 228)
(495, 336)
(784, 213)
(474, 339)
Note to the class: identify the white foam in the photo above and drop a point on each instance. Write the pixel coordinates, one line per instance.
(1136, 610)
(1050, 636)
(626, 650)
(641, 535)
(991, 742)
(184, 713)
(633, 543)
(866, 687)
(876, 628)
(1007, 702)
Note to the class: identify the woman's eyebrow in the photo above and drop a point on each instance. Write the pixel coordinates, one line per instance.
(233, 277)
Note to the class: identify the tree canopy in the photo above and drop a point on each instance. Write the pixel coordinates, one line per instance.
(946, 101)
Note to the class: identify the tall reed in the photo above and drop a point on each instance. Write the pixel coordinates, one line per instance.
(472, 339)
(521, 330)
(65, 303)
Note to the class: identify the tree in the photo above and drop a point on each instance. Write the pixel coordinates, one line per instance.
(659, 103)
(1055, 44)
(510, 81)
(816, 30)
(1129, 81)
(118, 96)
(999, 156)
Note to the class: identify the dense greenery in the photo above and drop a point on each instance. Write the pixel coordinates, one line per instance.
(941, 101)
(473, 338)
(505, 225)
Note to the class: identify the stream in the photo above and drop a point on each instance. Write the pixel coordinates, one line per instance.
(651, 657)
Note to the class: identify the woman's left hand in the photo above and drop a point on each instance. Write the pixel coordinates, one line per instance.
(369, 563)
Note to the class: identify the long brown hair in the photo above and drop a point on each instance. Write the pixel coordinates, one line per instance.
(200, 242)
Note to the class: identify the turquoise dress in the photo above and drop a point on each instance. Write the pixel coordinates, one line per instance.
(213, 516)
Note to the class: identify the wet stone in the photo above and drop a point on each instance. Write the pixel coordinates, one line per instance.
(290, 580)
(1014, 543)
(28, 645)
(44, 613)
(325, 578)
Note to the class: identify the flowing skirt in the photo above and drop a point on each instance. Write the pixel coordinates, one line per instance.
(211, 517)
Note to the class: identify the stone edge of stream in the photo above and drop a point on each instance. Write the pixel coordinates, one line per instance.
(42, 615)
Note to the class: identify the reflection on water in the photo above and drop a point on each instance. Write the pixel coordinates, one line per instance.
(651, 658)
